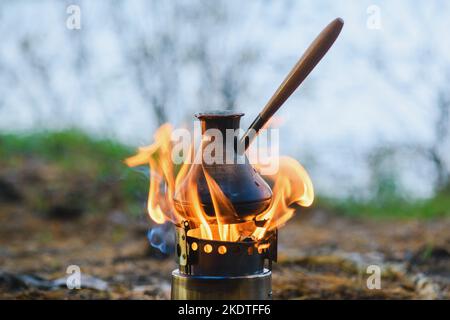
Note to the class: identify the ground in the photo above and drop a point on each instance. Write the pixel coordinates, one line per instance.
(321, 255)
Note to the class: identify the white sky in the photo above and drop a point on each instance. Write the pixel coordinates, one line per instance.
(374, 88)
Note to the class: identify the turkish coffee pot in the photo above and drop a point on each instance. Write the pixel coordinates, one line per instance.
(245, 189)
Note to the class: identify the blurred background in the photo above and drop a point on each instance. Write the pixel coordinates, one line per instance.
(83, 83)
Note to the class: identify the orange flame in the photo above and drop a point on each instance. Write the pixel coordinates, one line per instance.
(291, 186)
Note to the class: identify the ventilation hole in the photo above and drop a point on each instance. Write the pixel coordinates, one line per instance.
(222, 250)
(207, 248)
(194, 246)
(178, 250)
(237, 249)
(250, 251)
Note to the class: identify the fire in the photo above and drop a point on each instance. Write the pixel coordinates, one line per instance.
(291, 187)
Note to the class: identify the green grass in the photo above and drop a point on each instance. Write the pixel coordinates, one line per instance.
(71, 148)
(393, 208)
(76, 154)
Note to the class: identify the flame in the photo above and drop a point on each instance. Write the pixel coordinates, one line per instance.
(291, 187)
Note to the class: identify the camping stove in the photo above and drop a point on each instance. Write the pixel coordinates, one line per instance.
(216, 270)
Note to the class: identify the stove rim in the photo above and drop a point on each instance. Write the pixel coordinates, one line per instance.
(178, 273)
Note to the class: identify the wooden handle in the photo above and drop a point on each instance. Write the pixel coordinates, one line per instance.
(315, 52)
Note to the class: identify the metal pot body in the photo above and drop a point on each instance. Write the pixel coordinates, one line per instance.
(247, 191)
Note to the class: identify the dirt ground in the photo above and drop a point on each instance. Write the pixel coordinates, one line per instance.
(321, 256)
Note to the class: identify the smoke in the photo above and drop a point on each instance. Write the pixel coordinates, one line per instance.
(162, 238)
